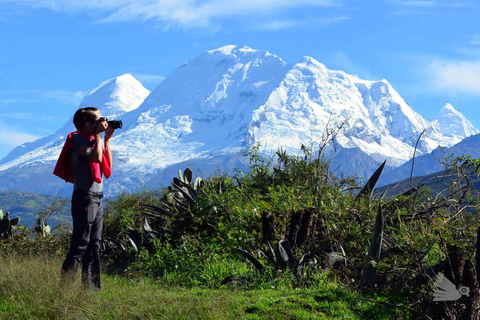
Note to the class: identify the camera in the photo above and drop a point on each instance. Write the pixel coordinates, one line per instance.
(114, 124)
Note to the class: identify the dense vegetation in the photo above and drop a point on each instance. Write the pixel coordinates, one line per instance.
(289, 224)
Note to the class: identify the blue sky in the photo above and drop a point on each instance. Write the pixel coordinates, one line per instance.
(52, 52)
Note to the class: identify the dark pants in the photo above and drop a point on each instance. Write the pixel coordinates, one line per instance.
(87, 215)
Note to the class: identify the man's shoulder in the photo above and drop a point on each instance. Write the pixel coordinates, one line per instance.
(78, 140)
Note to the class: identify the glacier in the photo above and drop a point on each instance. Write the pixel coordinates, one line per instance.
(211, 109)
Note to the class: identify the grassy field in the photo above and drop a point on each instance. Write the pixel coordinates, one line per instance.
(30, 289)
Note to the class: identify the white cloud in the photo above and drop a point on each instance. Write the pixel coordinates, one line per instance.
(474, 40)
(13, 101)
(12, 136)
(453, 77)
(34, 96)
(66, 97)
(430, 3)
(287, 24)
(183, 13)
(17, 115)
(278, 25)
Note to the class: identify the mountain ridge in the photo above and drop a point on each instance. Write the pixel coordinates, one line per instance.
(221, 103)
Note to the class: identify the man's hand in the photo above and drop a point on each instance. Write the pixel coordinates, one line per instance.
(109, 133)
(101, 125)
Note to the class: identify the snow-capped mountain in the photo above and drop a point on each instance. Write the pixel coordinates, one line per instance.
(29, 166)
(212, 108)
(452, 122)
(116, 96)
(113, 97)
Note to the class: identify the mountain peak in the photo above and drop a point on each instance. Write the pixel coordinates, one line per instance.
(453, 122)
(116, 96)
(311, 60)
(232, 49)
(125, 79)
(224, 101)
(227, 50)
(238, 52)
(448, 107)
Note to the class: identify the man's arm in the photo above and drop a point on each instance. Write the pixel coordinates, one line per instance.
(96, 153)
(107, 149)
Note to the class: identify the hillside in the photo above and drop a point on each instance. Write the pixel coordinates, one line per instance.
(25, 205)
(433, 162)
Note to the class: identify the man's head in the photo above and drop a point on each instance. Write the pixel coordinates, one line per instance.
(85, 117)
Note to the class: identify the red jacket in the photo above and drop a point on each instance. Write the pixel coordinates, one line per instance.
(64, 170)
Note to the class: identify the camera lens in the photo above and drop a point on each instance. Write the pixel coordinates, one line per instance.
(115, 124)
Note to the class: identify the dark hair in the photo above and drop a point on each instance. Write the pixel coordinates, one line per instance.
(83, 116)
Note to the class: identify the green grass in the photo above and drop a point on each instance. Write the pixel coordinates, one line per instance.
(30, 289)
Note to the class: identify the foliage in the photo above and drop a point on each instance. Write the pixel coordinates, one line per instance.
(25, 205)
(42, 228)
(39, 239)
(296, 224)
(9, 227)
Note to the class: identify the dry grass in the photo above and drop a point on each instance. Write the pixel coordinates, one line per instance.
(30, 289)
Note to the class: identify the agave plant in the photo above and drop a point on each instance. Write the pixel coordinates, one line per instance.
(181, 199)
(370, 185)
(8, 227)
(42, 228)
(281, 259)
(141, 239)
(181, 195)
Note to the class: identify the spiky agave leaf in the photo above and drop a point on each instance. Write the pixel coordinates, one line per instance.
(269, 255)
(134, 245)
(219, 188)
(370, 185)
(285, 251)
(198, 183)
(188, 176)
(180, 175)
(374, 252)
(134, 237)
(156, 209)
(185, 194)
(15, 221)
(146, 225)
(188, 188)
(251, 258)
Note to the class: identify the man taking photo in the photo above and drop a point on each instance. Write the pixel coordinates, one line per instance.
(84, 160)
